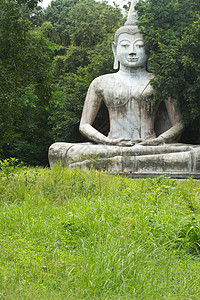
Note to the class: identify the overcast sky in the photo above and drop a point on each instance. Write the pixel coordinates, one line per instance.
(45, 3)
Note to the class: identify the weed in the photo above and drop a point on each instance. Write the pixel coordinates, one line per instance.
(9, 166)
(188, 237)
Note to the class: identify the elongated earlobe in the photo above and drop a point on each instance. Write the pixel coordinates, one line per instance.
(116, 62)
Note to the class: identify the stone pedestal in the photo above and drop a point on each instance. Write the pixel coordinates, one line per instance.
(167, 158)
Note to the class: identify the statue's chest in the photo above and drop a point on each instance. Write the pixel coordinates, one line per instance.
(118, 95)
(124, 98)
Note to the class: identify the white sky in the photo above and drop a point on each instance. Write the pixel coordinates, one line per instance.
(45, 3)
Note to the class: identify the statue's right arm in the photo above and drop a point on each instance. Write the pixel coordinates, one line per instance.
(91, 106)
(90, 109)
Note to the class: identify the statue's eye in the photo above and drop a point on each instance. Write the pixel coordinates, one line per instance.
(140, 45)
(124, 45)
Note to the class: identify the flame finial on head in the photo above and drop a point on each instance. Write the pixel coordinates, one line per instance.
(132, 15)
(130, 25)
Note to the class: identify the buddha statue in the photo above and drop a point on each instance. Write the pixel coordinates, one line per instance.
(133, 141)
(128, 96)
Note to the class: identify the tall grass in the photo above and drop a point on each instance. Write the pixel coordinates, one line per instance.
(70, 234)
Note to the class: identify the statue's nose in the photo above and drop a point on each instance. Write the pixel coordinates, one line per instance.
(132, 51)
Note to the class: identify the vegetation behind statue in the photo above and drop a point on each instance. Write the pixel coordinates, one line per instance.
(172, 34)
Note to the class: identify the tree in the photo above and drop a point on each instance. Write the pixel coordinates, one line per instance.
(25, 78)
(172, 34)
(57, 14)
(12, 41)
(91, 22)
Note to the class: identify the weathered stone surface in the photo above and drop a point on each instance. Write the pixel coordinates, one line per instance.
(164, 158)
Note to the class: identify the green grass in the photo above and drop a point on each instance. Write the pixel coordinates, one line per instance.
(87, 235)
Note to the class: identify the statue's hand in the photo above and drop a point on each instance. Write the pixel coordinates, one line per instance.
(153, 142)
(125, 142)
(122, 142)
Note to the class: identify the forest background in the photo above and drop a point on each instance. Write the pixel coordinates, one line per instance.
(49, 57)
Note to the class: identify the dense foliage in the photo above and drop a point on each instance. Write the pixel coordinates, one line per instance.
(25, 84)
(172, 33)
(57, 14)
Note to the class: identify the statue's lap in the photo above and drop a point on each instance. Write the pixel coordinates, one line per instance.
(163, 158)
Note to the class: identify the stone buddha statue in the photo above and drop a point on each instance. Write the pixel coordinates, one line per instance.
(137, 140)
(128, 96)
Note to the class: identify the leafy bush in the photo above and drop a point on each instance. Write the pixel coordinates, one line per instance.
(9, 166)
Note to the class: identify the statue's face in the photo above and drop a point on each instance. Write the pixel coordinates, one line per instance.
(130, 50)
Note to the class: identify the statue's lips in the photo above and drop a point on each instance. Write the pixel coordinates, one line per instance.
(132, 59)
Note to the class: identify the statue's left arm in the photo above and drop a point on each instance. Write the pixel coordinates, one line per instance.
(172, 134)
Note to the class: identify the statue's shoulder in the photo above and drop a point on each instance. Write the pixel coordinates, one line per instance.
(103, 81)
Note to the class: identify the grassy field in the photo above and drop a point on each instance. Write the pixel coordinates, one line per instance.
(87, 235)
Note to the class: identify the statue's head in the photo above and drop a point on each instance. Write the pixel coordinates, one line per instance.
(128, 46)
